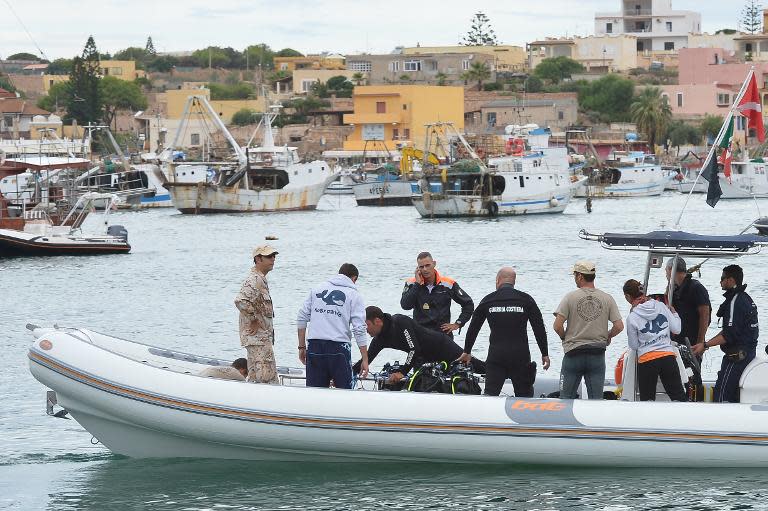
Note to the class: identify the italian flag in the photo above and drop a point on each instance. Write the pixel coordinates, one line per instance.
(751, 107)
(726, 144)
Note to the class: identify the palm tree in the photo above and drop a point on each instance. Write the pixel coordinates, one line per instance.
(479, 71)
(652, 114)
(358, 78)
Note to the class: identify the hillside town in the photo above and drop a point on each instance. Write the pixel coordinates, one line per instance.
(331, 103)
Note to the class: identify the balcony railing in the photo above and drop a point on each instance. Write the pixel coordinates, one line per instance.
(637, 12)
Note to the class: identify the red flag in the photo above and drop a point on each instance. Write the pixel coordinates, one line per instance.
(726, 157)
(750, 107)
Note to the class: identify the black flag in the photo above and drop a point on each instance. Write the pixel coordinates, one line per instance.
(710, 174)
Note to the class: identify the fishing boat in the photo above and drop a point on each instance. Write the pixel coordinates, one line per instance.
(259, 179)
(530, 182)
(626, 174)
(383, 186)
(748, 180)
(40, 236)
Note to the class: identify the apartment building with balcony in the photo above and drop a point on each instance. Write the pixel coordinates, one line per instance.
(656, 25)
(422, 68)
(386, 116)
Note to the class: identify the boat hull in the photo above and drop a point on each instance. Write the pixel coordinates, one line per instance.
(16, 244)
(383, 193)
(138, 409)
(198, 198)
(474, 206)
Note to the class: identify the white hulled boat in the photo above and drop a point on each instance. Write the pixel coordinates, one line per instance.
(627, 174)
(264, 178)
(749, 179)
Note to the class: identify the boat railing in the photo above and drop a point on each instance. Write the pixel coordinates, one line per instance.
(670, 243)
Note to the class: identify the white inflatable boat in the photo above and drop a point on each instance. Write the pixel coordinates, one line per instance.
(144, 401)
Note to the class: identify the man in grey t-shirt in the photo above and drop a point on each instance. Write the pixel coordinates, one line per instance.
(581, 321)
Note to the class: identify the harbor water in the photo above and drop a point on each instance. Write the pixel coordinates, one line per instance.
(176, 290)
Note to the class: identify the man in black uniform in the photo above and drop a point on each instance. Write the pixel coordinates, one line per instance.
(422, 345)
(508, 312)
(429, 294)
(691, 301)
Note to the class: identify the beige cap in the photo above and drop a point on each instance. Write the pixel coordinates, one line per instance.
(264, 250)
(584, 267)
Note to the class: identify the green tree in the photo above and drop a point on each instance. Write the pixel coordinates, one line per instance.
(303, 107)
(652, 114)
(117, 94)
(441, 78)
(340, 86)
(479, 72)
(534, 84)
(359, 78)
(238, 91)
(5, 83)
(23, 56)
(480, 32)
(57, 97)
(84, 101)
(752, 17)
(289, 52)
(607, 98)
(140, 55)
(162, 63)
(680, 133)
(710, 125)
(59, 67)
(149, 48)
(212, 56)
(244, 117)
(556, 69)
(319, 89)
(260, 55)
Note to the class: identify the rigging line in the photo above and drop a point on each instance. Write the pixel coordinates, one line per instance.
(10, 7)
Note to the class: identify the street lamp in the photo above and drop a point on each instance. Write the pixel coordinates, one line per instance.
(604, 67)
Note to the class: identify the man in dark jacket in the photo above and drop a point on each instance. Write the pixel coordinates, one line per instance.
(429, 294)
(737, 339)
(402, 333)
(508, 312)
(691, 301)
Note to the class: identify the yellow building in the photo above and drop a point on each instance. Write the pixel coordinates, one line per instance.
(392, 115)
(506, 58)
(309, 62)
(123, 69)
(176, 99)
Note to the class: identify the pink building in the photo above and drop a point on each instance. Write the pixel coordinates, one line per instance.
(715, 65)
(697, 100)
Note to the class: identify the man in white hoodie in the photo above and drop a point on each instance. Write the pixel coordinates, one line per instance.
(330, 309)
(649, 326)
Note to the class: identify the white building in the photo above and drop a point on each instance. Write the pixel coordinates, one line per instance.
(657, 27)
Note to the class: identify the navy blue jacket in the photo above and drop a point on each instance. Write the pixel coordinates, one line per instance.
(432, 309)
(739, 321)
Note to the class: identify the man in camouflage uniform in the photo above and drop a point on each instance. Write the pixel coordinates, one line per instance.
(257, 334)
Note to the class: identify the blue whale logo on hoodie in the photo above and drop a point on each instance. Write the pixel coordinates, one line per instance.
(335, 297)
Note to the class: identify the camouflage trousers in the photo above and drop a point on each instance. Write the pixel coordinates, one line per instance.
(261, 364)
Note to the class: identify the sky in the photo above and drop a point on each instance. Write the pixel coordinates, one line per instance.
(59, 28)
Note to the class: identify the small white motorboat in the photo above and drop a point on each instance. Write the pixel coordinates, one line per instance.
(41, 237)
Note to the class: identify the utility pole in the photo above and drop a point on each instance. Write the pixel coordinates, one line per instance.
(209, 58)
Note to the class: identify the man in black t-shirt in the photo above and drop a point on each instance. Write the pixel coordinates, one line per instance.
(691, 301)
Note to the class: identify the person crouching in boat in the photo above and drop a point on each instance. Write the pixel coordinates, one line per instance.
(330, 309)
(649, 327)
(401, 333)
(737, 339)
(508, 312)
(238, 371)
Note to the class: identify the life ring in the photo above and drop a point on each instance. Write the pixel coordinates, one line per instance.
(492, 207)
(515, 146)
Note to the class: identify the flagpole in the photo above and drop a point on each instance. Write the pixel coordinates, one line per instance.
(717, 140)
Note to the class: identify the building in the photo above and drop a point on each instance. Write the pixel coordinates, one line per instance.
(601, 54)
(493, 113)
(720, 40)
(506, 58)
(36, 85)
(309, 62)
(386, 116)
(17, 115)
(657, 27)
(716, 65)
(304, 79)
(122, 69)
(424, 68)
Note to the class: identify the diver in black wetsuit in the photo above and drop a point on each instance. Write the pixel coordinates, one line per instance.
(508, 312)
(402, 333)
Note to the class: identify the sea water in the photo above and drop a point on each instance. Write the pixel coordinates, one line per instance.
(176, 290)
